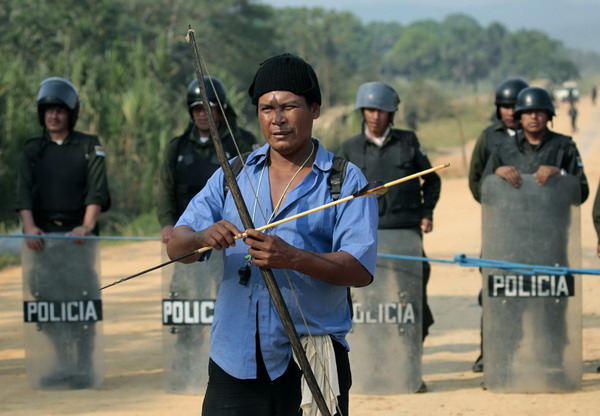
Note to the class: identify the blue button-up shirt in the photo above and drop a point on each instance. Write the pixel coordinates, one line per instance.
(240, 310)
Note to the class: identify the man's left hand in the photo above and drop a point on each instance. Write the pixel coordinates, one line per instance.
(426, 225)
(81, 230)
(269, 251)
(544, 172)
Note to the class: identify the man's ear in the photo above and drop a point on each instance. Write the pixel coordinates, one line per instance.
(316, 110)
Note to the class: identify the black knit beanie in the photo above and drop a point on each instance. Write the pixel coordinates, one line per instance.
(285, 72)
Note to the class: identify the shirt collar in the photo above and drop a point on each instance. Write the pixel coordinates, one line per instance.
(323, 159)
(70, 138)
(522, 140)
(377, 141)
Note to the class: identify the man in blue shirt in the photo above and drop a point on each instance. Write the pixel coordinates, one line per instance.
(314, 258)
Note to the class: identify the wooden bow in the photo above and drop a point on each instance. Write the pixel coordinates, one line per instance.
(267, 274)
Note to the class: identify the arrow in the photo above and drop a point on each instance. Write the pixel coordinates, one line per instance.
(371, 189)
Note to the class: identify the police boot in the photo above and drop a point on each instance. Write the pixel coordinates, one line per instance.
(83, 376)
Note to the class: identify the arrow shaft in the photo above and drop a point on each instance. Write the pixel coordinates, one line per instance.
(293, 217)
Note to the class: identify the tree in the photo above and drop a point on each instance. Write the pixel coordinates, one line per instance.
(416, 54)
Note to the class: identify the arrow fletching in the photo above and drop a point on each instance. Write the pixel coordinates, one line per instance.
(370, 189)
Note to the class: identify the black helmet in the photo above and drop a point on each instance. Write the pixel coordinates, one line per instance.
(194, 97)
(534, 98)
(507, 91)
(58, 91)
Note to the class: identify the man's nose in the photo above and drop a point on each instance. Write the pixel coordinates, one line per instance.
(279, 116)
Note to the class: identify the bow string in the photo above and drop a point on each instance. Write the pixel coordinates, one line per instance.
(267, 274)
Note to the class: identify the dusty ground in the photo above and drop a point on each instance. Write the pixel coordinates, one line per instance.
(133, 383)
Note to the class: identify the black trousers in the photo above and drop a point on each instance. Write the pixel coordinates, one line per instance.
(230, 396)
(427, 314)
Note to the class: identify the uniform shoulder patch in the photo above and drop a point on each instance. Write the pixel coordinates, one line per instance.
(99, 149)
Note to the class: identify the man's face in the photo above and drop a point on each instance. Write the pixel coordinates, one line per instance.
(201, 118)
(507, 113)
(56, 119)
(286, 120)
(534, 121)
(377, 121)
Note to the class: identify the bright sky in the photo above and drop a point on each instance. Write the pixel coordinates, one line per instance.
(575, 22)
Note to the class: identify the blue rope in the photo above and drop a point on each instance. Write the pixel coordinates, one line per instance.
(463, 260)
(86, 237)
(460, 259)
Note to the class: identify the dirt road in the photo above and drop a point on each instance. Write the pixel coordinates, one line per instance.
(133, 383)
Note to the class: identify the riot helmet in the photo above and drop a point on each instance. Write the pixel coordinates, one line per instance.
(378, 95)
(534, 98)
(214, 95)
(58, 91)
(507, 91)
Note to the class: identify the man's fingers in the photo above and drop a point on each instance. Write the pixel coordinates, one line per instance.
(35, 244)
(255, 235)
(221, 235)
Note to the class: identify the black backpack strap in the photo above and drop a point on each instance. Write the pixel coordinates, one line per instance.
(337, 176)
(336, 180)
(236, 166)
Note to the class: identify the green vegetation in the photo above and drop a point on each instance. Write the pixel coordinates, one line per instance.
(9, 259)
(131, 63)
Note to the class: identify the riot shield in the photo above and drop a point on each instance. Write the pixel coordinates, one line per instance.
(189, 292)
(531, 322)
(385, 341)
(63, 315)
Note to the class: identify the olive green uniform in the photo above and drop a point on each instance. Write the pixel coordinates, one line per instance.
(56, 182)
(484, 146)
(554, 150)
(188, 164)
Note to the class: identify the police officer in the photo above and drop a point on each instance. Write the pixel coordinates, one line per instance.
(384, 153)
(596, 217)
(62, 185)
(504, 126)
(62, 188)
(536, 149)
(573, 114)
(191, 159)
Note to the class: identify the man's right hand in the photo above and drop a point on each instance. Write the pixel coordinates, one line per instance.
(35, 244)
(184, 239)
(220, 235)
(510, 175)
